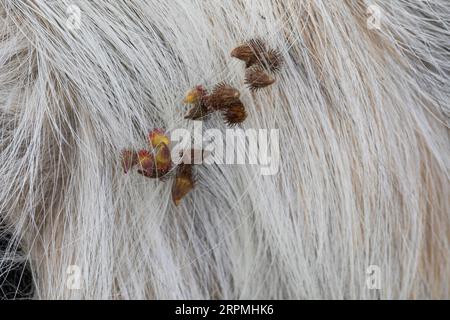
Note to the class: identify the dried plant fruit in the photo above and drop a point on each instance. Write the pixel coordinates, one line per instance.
(250, 52)
(163, 159)
(153, 174)
(198, 112)
(256, 78)
(157, 137)
(183, 183)
(152, 164)
(222, 96)
(129, 160)
(156, 167)
(195, 95)
(255, 52)
(235, 114)
(273, 60)
(146, 162)
(197, 98)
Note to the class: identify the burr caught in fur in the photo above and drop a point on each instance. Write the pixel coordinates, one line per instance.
(129, 160)
(198, 112)
(250, 52)
(273, 60)
(184, 182)
(156, 137)
(222, 96)
(154, 163)
(197, 98)
(235, 114)
(146, 163)
(256, 78)
(195, 95)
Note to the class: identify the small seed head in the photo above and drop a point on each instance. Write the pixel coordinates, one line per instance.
(163, 159)
(157, 137)
(235, 114)
(273, 60)
(194, 95)
(198, 111)
(183, 184)
(223, 96)
(145, 161)
(256, 78)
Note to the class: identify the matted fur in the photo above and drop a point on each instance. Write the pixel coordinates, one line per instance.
(363, 117)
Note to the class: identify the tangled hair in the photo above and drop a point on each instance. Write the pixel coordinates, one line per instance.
(363, 115)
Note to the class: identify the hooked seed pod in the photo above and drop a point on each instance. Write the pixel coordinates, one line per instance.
(256, 78)
(183, 183)
(235, 114)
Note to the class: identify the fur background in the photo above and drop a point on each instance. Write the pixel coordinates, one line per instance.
(363, 116)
